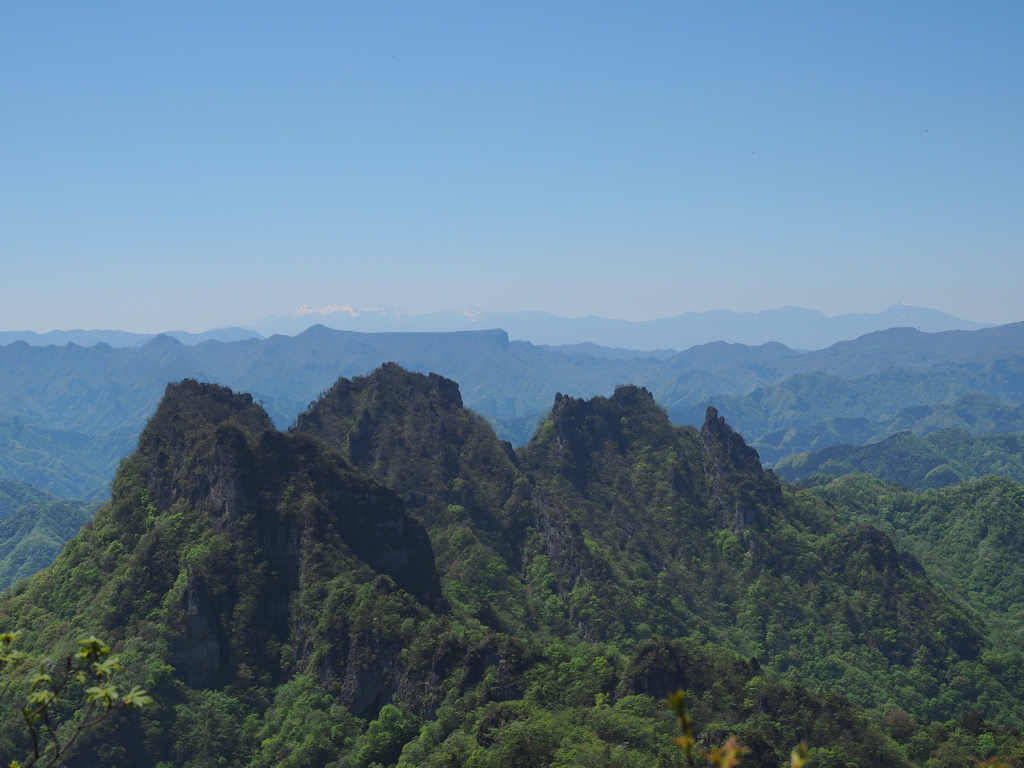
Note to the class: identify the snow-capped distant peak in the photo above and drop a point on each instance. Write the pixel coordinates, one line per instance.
(324, 311)
(388, 311)
(472, 314)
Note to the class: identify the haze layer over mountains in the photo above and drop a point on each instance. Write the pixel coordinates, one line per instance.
(795, 327)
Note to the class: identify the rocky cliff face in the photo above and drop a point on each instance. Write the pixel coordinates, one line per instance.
(686, 527)
(741, 494)
(234, 537)
(268, 499)
(412, 433)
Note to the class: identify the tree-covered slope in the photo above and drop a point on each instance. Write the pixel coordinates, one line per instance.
(912, 349)
(412, 433)
(284, 609)
(230, 554)
(68, 464)
(969, 536)
(944, 457)
(34, 534)
(651, 528)
(14, 495)
(34, 527)
(974, 412)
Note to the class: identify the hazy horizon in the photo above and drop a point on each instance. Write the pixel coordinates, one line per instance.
(470, 312)
(794, 327)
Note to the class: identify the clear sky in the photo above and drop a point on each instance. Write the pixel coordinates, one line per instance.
(187, 165)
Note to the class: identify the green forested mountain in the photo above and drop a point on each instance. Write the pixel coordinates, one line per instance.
(34, 527)
(944, 457)
(968, 536)
(14, 495)
(973, 412)
(34, 534)
(285, 609)
(412, 433)
(613, 491)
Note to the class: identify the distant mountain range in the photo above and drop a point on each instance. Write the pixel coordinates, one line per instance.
(812, 410)
(122, 338)
(800, 329)
(972, 413)
(944, 457)
(795, 327)
(66, 463)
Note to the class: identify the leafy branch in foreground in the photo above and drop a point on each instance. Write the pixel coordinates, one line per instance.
(677, 703)
(726, 756)
(729, 754)
(92, 664)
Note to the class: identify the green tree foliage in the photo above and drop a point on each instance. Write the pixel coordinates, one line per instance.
(52, 724)
(968, 536)
(34, 526)
(63, 462)
(14, 495)
(412, 433)
(385, 737)
(652, 529)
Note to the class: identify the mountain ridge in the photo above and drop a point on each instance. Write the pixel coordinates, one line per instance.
(793, 326)
(116, 339)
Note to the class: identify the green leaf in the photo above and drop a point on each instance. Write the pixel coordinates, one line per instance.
(106, 695)
(136, 697)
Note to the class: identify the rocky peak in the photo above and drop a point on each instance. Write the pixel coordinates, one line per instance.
(412, 432)
(742, 494)
(273, 499)
(584, 427)
(195, 423)
(729, 444)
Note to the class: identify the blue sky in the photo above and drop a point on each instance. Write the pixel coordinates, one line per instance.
(188, 165)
